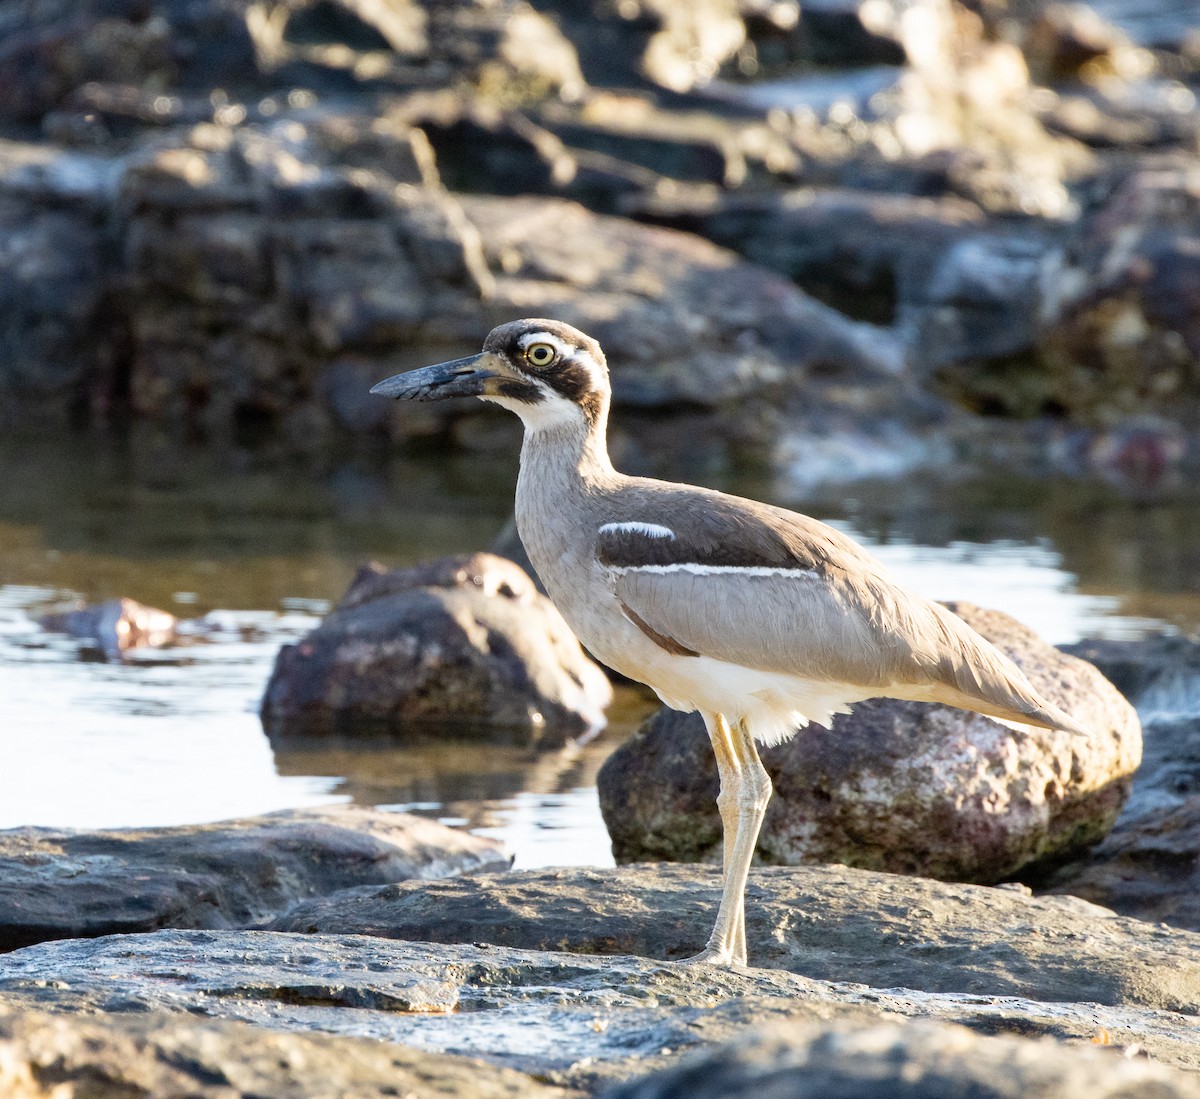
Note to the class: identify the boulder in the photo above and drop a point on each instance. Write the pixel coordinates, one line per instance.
(58, 884)
(900, 786)
(927, 1060)
(462, 643)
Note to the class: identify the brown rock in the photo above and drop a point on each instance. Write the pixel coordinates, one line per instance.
(465, 642)
(899, 786)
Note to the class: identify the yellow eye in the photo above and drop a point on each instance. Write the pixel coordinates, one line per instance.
(540, 354)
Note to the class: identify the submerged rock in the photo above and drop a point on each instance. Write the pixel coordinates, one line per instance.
(465, 642)
(900, 786)
(114, 626)
(57, 884)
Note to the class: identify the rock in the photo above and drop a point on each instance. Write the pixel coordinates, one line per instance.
(935, 1062)
(462, 642)
(333, 47)
(1120, 336)
(114, 626)
(681, 321)
(1070, 41)
(57, 884)
(900, 786)
(1149, 866)
(864, 253)
(888, 931)
(44, 1056)
(1159, 674)
(584, 1020)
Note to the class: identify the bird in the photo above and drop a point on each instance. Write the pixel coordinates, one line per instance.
(760, 618)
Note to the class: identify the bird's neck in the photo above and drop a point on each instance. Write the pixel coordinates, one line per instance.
(564, 468)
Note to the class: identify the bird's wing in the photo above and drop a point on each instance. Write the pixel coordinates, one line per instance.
(762, 587)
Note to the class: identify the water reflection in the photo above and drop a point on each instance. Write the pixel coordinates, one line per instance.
(172, 735)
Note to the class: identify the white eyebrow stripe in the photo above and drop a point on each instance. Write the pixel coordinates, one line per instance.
(565, 350)
(721, 570)
(650, 530)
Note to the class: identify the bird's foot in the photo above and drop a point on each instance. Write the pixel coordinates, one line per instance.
(712, 955)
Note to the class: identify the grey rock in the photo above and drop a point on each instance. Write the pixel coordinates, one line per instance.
(933, 1062)
(681, 321)
(1119, 335)
(900, 786)
(825, 922)
(58, 884)
(567, 1019)
(1149, 866)
(44, 1056)
(464, 643)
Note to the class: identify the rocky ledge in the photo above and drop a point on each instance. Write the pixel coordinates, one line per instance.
(848, 952)
(57, 884)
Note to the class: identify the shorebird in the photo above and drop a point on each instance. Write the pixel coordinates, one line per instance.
(761, 619)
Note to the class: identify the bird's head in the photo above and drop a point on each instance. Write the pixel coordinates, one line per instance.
(545, 371)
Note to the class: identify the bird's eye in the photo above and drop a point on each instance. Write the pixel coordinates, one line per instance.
(540, 354)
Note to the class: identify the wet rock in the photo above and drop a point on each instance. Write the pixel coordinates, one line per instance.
(682, 322)
(577, 1020)
(465, 642)
(900, 786)
(888, 931)
(58, 884)
(44, 1056)
(926, 1060)
(114, 626)
(1149, 866)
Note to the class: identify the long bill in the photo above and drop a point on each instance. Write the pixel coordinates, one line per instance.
(458, 378)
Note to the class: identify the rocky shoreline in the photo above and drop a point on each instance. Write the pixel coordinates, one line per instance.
(248, 950)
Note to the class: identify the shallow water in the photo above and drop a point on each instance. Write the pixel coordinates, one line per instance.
(256, 547)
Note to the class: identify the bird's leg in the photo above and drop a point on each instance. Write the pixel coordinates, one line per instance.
(745, 791)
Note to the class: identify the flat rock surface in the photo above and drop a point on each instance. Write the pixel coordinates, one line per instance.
(57, 884)
(569, 1019)
(826, 922)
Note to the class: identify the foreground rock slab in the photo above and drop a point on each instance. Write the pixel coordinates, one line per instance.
(906, 787)
(465, 641)
(823, 921)
(934, 1062)
(46, 1056)
(57, 884)
(567, 1019)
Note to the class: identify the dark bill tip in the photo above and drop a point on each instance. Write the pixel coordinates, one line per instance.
(459, 378)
